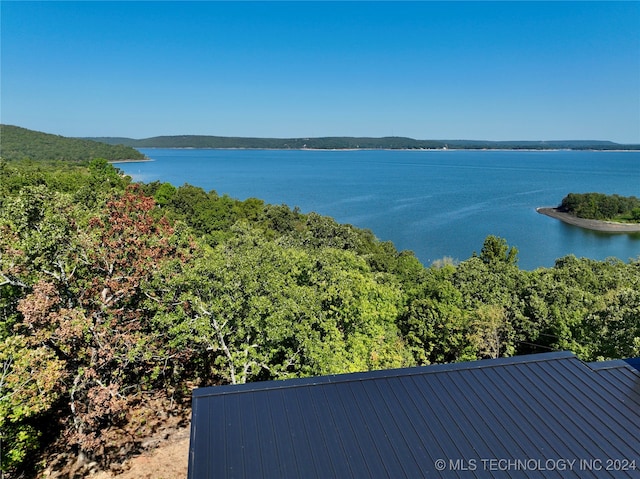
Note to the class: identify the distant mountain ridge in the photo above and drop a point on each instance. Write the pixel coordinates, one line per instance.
(20, 143)
(347, 142)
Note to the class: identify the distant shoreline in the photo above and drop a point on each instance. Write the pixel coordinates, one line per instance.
(360, 143)
(512, 150)
(595, 225)
(144, 160)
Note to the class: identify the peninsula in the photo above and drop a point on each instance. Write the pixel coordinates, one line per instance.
(595, 225)
(598, 211)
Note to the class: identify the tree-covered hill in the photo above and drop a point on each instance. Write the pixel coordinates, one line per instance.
(390, 142)
(20, 143)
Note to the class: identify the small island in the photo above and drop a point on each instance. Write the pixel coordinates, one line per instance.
(598, 212)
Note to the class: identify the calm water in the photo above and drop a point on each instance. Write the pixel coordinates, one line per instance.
(436, 203)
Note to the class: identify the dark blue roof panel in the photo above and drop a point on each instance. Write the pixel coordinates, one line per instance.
(635, 362)
(547, 415)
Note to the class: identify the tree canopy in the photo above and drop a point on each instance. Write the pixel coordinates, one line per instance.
(118, 298)
(599, 206)
(19, 143)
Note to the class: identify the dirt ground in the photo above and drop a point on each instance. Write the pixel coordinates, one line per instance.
(167, 461)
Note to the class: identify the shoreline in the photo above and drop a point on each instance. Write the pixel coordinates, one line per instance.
(144, 160)
(372, 149)
(595, 225)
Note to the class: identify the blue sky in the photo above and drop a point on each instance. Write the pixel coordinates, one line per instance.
(428, 70)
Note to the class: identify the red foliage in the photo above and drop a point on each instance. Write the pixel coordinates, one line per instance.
(130, 245)
(97, 321)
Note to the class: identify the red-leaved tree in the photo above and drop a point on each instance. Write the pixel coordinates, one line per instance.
(96, 320)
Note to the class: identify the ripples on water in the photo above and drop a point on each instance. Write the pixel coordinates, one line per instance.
(432, 202)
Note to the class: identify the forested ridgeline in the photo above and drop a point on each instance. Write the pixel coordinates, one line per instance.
(20, 143)
(598, 206)
(349, 142)
(117, 299)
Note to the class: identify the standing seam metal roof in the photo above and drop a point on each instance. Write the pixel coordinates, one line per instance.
(523, 417)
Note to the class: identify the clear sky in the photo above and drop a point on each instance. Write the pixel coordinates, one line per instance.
(427, 70)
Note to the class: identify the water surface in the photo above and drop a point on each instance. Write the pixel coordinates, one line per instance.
(436, 203)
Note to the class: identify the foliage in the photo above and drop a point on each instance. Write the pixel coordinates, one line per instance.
(599, 206)
(116, 295)
(19, 143)
(254, 310)
(496, 250)
(30, 380)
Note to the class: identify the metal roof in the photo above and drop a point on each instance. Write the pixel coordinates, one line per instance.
(635, 362)
(545, 415)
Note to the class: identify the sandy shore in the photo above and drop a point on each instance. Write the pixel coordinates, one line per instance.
(596, 225)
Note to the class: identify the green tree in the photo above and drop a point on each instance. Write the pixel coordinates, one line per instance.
(164, 193)
(488, 332)
(496, 250)
(30, 383)
(259, 310)
(435, 322)
(599, 206)
(616, 328)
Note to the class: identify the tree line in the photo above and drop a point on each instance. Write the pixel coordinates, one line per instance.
(118, 298)
(20, 143)
(599, 206)
(347, 142)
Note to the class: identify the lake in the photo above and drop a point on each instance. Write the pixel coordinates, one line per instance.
(435, 203)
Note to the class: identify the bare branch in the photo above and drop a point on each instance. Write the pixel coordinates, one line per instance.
(223, 344)
(13, 282)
